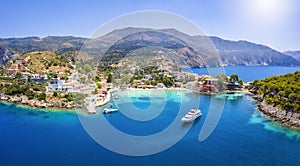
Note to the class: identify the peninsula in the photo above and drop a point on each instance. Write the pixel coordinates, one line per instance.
(279, 98)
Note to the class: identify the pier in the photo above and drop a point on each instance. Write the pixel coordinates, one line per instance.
(90, 103)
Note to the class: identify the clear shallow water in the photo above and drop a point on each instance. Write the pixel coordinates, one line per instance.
(250, 73)
(242, 136)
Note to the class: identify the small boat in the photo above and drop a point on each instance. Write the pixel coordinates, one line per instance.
(191, 115)
(109, 110)
(116, 97)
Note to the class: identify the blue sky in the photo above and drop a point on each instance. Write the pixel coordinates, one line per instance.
(270, 22)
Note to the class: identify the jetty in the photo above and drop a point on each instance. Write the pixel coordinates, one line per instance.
(90, 105)
(91, 102)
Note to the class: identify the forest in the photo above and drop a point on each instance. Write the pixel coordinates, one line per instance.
(280, 91)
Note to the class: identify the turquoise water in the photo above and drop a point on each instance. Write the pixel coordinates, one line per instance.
(242, 136)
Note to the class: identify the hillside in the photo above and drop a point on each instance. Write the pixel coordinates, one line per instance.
(163, 44)
(232, 53)
(197, 51)
(57, 44)
(5, 54)
(251, 54)
(39, 62)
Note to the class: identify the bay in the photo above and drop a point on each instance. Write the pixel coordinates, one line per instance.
(242, 137)
(248, 73)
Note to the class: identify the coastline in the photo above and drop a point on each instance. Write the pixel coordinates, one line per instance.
(52, 109)
(34, 103)
(71, 106)
(286, 118)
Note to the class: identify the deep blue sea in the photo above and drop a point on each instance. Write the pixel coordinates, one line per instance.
(241, 137)
(247, 73)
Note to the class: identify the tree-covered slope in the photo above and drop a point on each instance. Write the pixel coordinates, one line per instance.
(281, 91)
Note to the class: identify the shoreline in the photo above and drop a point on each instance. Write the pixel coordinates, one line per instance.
(34, 103)
(52, 109)
(286, 118)
(283, 117)
(71, 106)
(289, 119)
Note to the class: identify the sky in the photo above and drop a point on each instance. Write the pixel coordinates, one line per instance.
(274, 23)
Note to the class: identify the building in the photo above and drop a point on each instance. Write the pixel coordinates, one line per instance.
(14, 68)
(178, 84)
(160, 85)
(56, 85)
(211, 81)
(148, 77)
(193, 85)
(233, 86)
(209, 85)
(36, 78)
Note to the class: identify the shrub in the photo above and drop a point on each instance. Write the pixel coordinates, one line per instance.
(42, 96)
(30, 94)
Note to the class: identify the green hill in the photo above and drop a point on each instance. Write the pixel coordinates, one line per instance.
(280, 91)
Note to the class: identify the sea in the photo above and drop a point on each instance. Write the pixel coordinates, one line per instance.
(147, 130)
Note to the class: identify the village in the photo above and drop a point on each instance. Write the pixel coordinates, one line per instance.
(70, 86)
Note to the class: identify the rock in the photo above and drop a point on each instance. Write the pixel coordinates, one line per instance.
(16, 99)
(24, 100)
(35, 103)
(285, 117)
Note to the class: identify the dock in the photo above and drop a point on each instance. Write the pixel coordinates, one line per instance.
(90, 108)
(90, 105)
(91, 102)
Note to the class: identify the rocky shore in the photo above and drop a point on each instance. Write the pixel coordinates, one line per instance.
(36, 103)
(287, 118)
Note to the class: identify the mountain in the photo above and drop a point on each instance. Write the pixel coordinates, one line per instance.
(196, 51)
(251, 54)
(294, 54)
(232, 53)
(59, 44)
(170, 47)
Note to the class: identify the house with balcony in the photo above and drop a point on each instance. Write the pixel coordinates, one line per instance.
(56, 85)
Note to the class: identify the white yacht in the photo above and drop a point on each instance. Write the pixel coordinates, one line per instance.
(109, 110)
(191, 115)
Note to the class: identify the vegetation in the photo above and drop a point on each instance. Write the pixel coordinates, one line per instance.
(69, 97)
(55, 94)
(45, 60)
(228, 83)
(30, 94)
(222, 79)
(2, 72)
(109, 78)
(281, 91)
(41, 96)
(17, 86)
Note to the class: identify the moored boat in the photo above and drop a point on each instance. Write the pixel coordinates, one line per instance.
(191, 115)
(109, 110)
